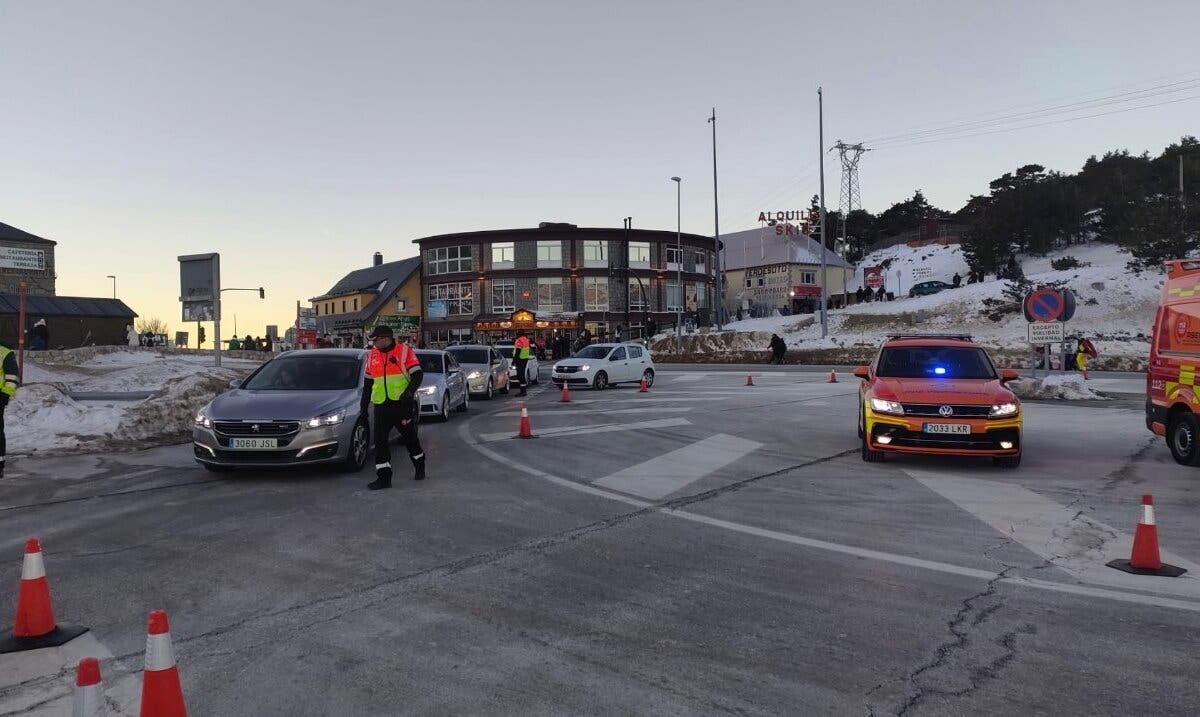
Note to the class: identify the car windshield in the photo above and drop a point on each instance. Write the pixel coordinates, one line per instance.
(505, 351)
(479, 356)
(308, 373)
(431, 363)
(935, 362)
(593, 352)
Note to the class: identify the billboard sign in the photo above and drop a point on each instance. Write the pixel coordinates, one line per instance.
(873, 275)
(13, 257)
(200, 286)
(437, 309)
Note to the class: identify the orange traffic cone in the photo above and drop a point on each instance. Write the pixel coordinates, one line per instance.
(566, 395)
(526, 429)
(89, 692)
(34, 626)
(162, 695)
(833, 377)
(749, 380)
(644, 388)
(1145, 559)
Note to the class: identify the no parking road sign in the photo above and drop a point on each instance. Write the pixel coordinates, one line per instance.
(1044, 305)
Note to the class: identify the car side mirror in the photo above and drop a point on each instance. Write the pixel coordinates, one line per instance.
(863, 372)
(1008, 374)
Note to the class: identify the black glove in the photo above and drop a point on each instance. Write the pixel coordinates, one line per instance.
(408, 405)
(3, 401)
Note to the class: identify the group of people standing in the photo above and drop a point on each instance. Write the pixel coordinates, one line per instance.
(251, 343)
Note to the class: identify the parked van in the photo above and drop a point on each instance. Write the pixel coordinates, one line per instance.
(1172, 403)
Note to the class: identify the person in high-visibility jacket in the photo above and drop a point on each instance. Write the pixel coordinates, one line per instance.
(393, 375)
(521, 354)
(12, 379)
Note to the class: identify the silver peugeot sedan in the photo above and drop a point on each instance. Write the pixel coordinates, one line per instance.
(486, 370)
(303, 407)
(443, 387)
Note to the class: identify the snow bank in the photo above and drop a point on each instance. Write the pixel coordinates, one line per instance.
(1063, 387)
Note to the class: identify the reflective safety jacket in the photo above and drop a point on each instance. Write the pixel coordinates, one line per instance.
(8, 358)
(389, 371)
(521, 348)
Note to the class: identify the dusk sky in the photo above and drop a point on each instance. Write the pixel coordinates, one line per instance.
(297, 138)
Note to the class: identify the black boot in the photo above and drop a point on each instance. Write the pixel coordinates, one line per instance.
(383, 479)
(419, 464)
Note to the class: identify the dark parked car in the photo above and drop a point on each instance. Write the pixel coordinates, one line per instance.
(925, 288)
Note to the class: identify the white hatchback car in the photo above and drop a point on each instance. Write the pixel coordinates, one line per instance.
(604, 365)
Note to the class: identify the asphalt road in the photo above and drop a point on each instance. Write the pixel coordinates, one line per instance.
(706, 547)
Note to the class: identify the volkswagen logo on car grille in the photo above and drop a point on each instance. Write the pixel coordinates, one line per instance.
(255, 426)
(946, 411)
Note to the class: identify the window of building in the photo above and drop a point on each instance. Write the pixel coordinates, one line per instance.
(808, 277)
(458, 298)
(637, 297)
(449, 260)
(674, 299)
(639, 255)
(595, 293)
(550, 295)
(343, 306)
(356, 304)
(503, 255)
(401, 306)
(504, 296)
(701, 296)
(595, 253)
(701, 262)
(747, 283)
(762, 281)
(549, 254)
(674, 258)
(444, 337)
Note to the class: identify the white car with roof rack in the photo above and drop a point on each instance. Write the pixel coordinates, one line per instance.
(599, 366)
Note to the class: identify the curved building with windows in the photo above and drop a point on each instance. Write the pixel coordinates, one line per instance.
(562, 279)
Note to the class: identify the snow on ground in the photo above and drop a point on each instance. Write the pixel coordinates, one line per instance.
(1115, 307)
(43, 417)
(1067, 387)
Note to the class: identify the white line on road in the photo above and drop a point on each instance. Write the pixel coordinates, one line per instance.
(601, 428)
(662, 475)
(555, 411)
(1063, 536)
(688, 377)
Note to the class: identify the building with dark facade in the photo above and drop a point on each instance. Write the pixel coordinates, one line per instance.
(483, 285)
(28, 258)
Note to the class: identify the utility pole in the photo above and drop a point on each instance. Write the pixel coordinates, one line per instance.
(821, 158)
(850, 198)
(719, 302)
(624, 263)
(679, 256)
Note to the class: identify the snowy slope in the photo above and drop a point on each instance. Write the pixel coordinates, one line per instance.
(1115, 306)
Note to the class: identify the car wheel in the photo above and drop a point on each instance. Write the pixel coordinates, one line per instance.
(1007, 461)
(444, 414)
(360, 440)
(1183, 434)
(648, 377)
(869, 455)
(491, 391)
(862, 432)
(214, 468)
(600, 382)
(466, 404)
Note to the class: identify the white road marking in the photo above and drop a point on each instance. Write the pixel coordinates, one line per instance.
(555, 411)
(894, 558)
(1063, 536)
(601, 428)
(662, 475)
(688, 377)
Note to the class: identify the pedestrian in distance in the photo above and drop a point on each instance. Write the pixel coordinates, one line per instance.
(521, 354)
(39, 336)
(778, 349)
(234, 344)
(1084, 349)
(393, 376)
(957, 280)
(8, 359)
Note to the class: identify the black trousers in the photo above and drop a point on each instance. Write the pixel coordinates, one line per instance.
(389, 415)
(3, 442)
(521, 365)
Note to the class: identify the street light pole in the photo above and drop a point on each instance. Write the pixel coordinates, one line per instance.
(110, 276)
(719, 299)
(678, 248)
(821, 157)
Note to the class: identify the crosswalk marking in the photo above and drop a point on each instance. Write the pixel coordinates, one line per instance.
(601, 428)
(669, 472)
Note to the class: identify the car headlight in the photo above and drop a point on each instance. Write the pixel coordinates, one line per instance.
(881, 406)
(331, 419)
(474, 375)
(585, 367)
(202, 419)
(427, 390)
(1000, 410)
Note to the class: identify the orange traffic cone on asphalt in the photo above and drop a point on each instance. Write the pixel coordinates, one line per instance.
(89, 692)
(526, 429)
(162, 695)
(749, 380)
(34, 626)
(566, 395)
(644, 388)
(833, 376)
(1145, 558)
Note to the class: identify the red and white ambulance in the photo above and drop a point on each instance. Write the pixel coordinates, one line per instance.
(1172, 401)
